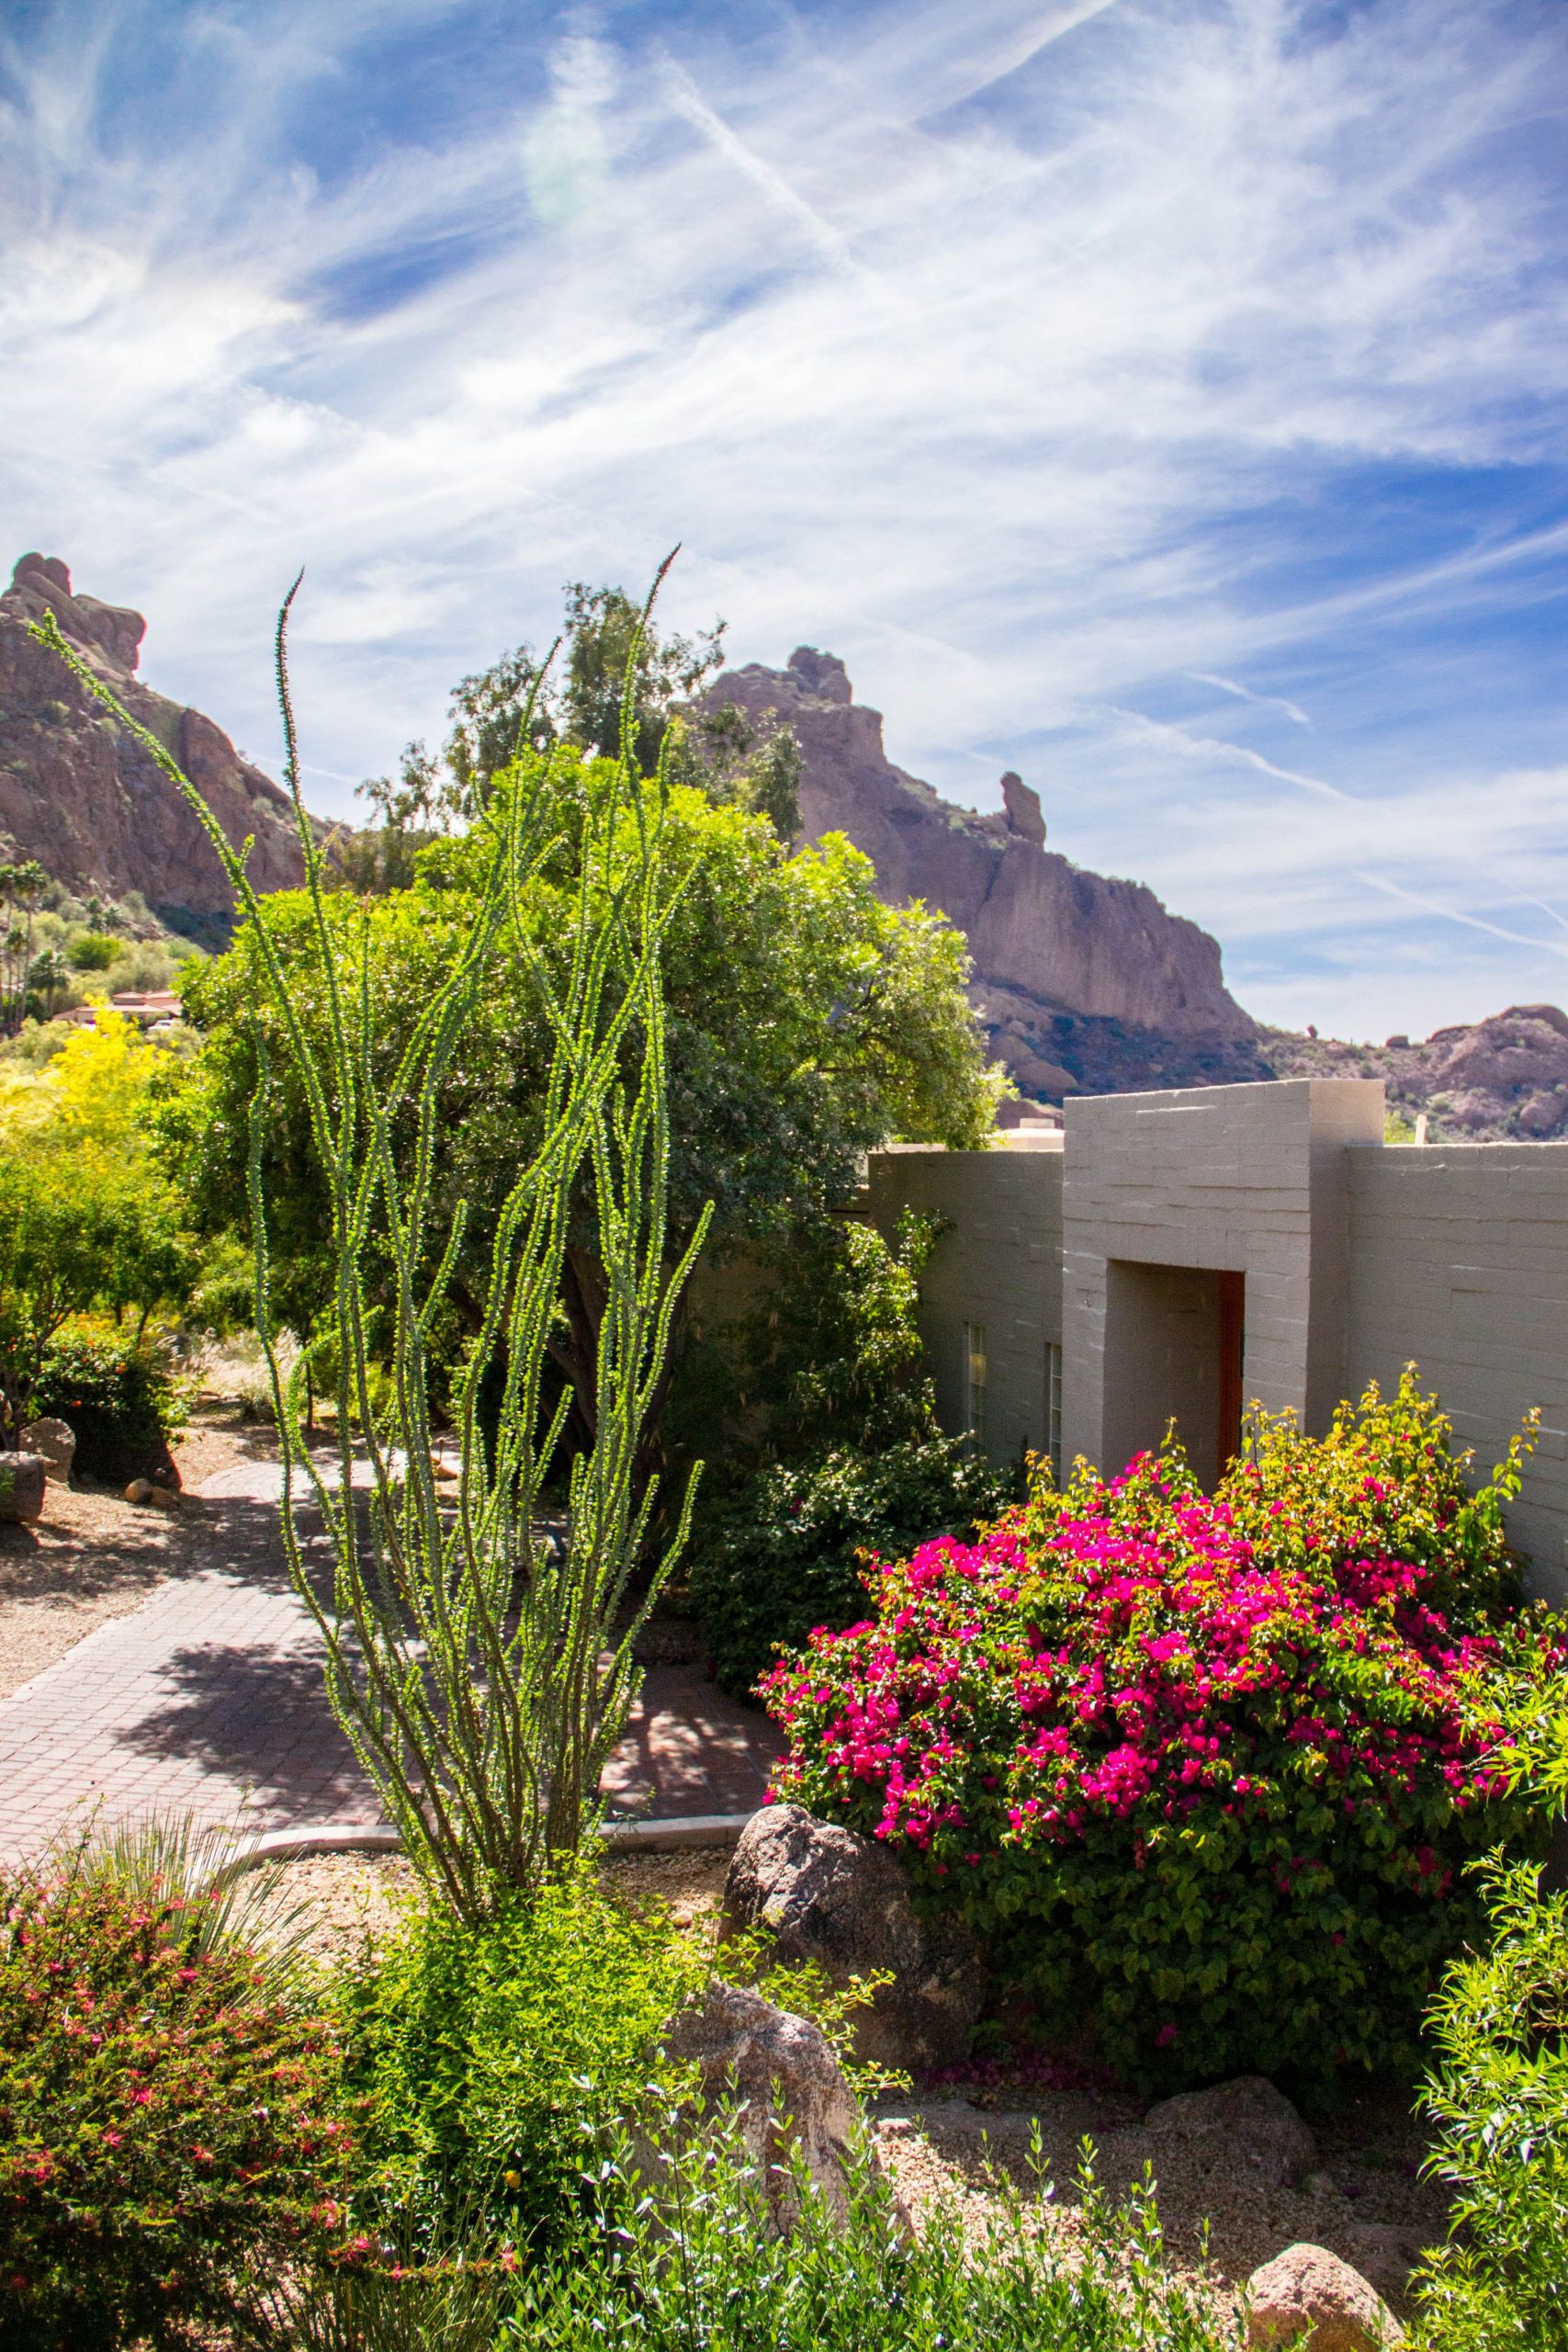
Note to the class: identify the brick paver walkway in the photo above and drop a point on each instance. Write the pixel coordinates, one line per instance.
(208, 1700)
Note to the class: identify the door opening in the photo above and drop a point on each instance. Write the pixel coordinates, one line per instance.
(1175, 1347)
(1232, 1353)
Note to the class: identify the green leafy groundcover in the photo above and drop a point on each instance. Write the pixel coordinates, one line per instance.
(1208, 1769)
(487, 2056)
(1499, 2097)
(675, 2251)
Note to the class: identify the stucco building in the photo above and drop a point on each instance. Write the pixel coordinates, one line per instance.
(1185, 1254)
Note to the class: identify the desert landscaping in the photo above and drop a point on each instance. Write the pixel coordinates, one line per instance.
(784, 1177)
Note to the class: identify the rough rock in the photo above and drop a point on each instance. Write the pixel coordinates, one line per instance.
(1489, 1082)
(1021, 806)
(87, 799)
(1248, 2113)
(1308, 2297)
(23, 1477)
(1385, 2253)
(1103, 983)
(787, 2088)
(56, 1442)
(827, 1896)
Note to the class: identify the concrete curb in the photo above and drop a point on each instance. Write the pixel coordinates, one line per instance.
(678, 1836)
(675, 1835)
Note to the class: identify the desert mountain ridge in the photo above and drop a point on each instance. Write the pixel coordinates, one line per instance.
(1083, 983)
(88, 802)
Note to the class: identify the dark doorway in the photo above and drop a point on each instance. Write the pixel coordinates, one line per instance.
(1233, 1352)
(1175, 1343)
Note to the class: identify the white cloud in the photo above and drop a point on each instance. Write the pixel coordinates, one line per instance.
(1293, 711)
(1010, 351)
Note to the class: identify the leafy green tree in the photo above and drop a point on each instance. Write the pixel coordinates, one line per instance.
(526, 703)
(88, 1219)
(807, 1023)
(75, 1234)
(47, 980)
(672, 671)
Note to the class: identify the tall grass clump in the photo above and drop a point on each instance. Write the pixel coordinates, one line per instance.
(482, 1678)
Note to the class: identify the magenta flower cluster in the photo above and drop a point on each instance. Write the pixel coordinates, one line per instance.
(1208, 1766)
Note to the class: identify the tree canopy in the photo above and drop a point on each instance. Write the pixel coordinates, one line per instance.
(807, 1022)
(87, 1218)
(526, 701)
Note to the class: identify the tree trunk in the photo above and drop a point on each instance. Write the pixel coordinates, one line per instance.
(585, 1293)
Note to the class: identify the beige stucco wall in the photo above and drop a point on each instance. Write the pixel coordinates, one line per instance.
(1249, 1180)
(997, 1263)
(1459, 1259)
(1356, 1259)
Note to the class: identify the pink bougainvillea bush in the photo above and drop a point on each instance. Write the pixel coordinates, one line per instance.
(1205, 1770)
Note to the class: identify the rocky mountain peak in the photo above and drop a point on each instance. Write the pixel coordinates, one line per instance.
(821, 675)
(1083, 982)
(89, 801)
(111, 635)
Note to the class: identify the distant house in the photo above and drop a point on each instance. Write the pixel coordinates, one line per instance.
(153, 1008)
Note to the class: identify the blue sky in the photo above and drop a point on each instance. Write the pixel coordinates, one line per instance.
(1166, 398)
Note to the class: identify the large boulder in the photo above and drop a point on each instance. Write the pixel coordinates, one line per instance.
(56, 1442)
(22, 1480)
(1308, 2301)
(827, 1896)
(786, 2086)
(1245, 2116)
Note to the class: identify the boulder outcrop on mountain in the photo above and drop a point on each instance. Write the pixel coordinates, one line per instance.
(1504, 1078)
(1082, 981)
(87, 801)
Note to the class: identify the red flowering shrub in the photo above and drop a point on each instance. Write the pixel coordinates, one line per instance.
(1206, 1769)
(163, 2114)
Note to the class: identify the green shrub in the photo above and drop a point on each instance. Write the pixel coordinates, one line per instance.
(1500, 2099)
(833, 1349)
(486, 2053)
(851, 1460)
(680, 2254)
(787, 1555)
(119, 1398)
(94, 951)
(1208, 1769)
(165, 2105)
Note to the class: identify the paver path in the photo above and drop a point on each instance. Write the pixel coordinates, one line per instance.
(208, 1700)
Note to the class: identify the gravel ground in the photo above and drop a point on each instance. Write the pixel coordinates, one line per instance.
(357, 1899)
(92, 1556)
(1221, 2218)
